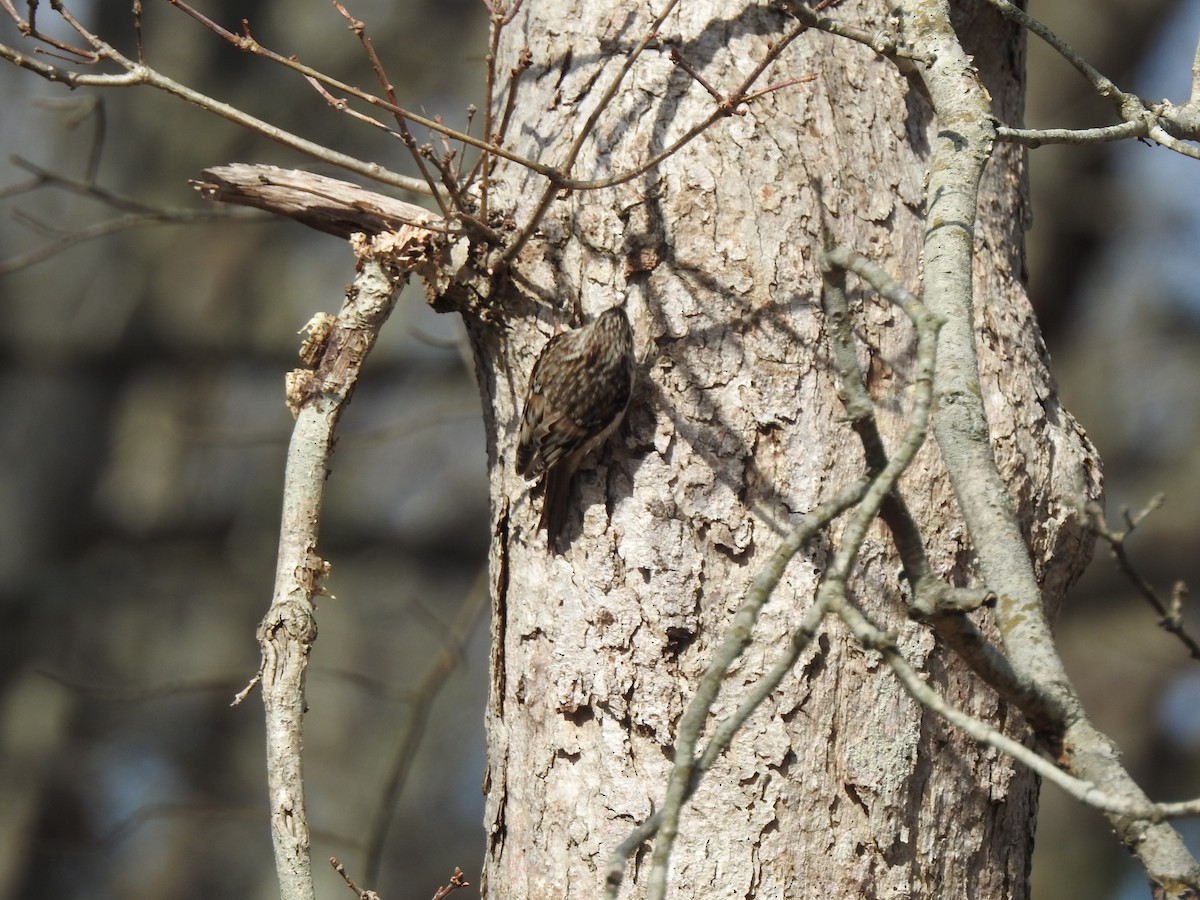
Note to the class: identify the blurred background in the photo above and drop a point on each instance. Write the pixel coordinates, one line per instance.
(143, 447)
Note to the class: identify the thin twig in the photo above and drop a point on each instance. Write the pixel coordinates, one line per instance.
(359, 892)
(250, 45)
(548, 193)
(882, 42)
(1101, 84)
(870, 635)
(457, 880)
(932, 600)
(134, 693)
(135, 74)
(28, 28)
(488, 99)
(678, 59)
(116, 226)
(85, 187)
(1036, 137)
(498, 17)
(524, 61)
(737, 637)
(1170, 612)
(360, 30)
(837, 575)
(137, 30)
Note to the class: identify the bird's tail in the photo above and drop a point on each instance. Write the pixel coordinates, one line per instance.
(555, 504)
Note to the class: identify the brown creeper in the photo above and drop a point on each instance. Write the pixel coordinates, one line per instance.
(577, 394)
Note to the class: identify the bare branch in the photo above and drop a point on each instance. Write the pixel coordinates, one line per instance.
(882, 42)
(1086, 792)
(250, 45)
(1036, 137)
(726, 106)
(1160, 134)
(518, 243)
(836, 576)
(524, 61)
(137, 30)
(136, 74)
(317, 397)
(139, 215)
(100, 230)
(84, 187)
(326, 204)
(932, 600)
(1170, 612)
(359, 892)
(678, 59)
(498, 17)
(1167, 124)
(1194, 96)
(961, 428)
(28, 27)
(360, 30)
(133, 693)
(457, 880)
(1147, 125)
(737, 637)
(1100, 83)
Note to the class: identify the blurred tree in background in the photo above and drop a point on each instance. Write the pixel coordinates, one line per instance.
(145, 434)
(141, 479)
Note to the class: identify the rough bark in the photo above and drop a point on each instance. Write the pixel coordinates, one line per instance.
(840, 785)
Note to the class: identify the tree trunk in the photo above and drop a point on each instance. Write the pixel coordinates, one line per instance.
(840, 785)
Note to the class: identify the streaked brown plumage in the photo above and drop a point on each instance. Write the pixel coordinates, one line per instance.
(578, 391)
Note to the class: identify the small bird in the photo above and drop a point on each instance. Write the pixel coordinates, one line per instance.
(578, 391)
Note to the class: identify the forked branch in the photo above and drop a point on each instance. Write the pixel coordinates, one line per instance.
(1170, 610)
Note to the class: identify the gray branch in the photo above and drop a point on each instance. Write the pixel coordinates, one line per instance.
(961, 428)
